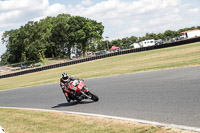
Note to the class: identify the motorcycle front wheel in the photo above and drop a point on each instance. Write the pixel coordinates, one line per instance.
(93, 96)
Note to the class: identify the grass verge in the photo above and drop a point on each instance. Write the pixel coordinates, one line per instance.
(27, 121)
(180, 56)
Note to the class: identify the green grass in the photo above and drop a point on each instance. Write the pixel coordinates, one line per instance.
(27, 121)
(180, 56)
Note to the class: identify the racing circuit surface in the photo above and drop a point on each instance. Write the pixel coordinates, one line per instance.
(166, 96)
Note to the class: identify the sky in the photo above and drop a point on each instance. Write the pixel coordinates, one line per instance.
(121, 18)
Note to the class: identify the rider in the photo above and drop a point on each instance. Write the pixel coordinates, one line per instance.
(64, 83)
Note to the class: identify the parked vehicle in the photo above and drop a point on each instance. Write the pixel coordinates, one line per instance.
(90, 54)
(147, 43)
(190, 34)
(23, 66)
(135, 45)
(79, 91)
(75, 58)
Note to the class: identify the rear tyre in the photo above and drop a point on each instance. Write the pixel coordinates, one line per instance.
(78, 99)
(93, 96)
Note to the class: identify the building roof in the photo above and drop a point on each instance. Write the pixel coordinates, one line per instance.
(189, 31)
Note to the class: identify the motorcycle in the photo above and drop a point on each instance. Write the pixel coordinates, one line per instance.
(79, 91)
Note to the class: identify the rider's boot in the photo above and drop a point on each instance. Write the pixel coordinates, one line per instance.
(68, 99)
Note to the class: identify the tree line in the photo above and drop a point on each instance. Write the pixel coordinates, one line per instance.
(52, 37)
(127, 41)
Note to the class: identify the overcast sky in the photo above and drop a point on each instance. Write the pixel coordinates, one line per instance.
(121, 18)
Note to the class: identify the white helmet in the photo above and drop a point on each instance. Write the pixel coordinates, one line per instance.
(1, 130)
(65, 77)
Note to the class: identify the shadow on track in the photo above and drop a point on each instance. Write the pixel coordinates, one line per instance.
(71, 104)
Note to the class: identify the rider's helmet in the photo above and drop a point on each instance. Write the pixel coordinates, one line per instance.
(65, 77)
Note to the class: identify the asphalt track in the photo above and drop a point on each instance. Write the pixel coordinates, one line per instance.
(167, 96)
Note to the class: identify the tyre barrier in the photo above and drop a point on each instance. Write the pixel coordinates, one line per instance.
(171, 44)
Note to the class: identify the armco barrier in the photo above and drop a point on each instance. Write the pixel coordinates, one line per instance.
(182, 42)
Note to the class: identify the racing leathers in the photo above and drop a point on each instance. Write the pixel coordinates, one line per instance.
(65, 88)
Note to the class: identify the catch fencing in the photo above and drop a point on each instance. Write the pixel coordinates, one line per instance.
(171, 44)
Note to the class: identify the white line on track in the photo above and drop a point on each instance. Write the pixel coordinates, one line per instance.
(114, 117)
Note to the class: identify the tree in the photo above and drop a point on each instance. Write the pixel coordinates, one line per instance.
(117, 43)
(133, 39)
(12, 45)
(160, 36)
(60, 35)
(51, 37)
(86, 31)
(168, 34)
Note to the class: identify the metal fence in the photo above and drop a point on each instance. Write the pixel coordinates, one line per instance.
(181, 42)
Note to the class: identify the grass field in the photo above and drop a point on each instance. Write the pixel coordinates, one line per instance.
(180, 56)
(20, 121)
(27, 121)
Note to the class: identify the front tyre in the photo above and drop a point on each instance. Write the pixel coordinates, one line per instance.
(93, 96)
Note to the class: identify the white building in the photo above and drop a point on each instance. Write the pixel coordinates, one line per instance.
(147, 43)
(190, 33)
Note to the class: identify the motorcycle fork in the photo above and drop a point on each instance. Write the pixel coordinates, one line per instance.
(85, 90)
(86, 95)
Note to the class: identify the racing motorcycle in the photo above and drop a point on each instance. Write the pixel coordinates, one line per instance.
(79, 91)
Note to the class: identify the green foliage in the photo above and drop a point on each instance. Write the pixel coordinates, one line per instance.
(86, 32)
(50, 37)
